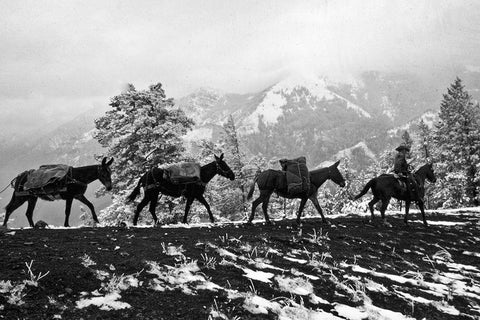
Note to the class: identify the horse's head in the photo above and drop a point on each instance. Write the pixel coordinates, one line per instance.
(223, 169)
(105, 173)
(430, 175)
(335, 175)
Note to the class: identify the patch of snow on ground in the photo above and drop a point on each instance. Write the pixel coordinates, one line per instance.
(107, 302)
(298, 286)
(258, 275)
(301, 261)
(184, 277)
(350, 313)
(379, 313)
(469, 253)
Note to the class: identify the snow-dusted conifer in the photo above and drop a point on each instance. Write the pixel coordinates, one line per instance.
(142, 130)
(457, 140)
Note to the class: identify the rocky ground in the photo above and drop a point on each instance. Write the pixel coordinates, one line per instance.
(348, 270)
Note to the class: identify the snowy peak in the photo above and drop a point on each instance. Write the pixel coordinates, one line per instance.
(297, 92)
(316, 86)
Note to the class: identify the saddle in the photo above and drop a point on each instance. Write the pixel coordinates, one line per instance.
(46, 181)
(184, 172)
(403, 180)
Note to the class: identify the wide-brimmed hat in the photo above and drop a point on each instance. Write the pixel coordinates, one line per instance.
(403, 147)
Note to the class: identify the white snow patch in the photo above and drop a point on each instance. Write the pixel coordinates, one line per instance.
(469, 253)
(258, 275)
(107, 302)
(298, 286)
(350, 313)
(301, 261)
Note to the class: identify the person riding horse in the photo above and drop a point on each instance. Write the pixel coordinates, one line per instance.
(402, 170)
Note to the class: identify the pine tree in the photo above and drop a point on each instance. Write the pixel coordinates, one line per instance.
(231, 145)
(457, 139)
(142, 130)
(424, 143)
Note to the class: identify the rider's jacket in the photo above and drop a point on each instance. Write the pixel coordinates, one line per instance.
(400, 164)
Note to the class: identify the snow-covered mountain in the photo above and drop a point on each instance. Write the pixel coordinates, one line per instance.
(305, 114)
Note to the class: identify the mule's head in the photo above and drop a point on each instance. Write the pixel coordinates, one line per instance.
(430, 174)
(335, 174)
(223, 169)
(105, 173)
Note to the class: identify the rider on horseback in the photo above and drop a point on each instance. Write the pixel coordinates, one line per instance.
(401, 169)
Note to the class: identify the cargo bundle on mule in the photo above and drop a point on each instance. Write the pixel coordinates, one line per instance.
(184, 172)
(47, 180)
(297, 175)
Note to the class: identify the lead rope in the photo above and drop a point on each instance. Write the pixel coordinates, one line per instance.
(8, 185)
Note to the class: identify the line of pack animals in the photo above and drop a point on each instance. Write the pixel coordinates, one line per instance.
(55, 182)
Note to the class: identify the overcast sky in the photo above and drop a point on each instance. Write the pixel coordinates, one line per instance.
(63, 57)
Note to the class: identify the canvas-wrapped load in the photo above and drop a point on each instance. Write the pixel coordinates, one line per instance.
(47, 178)
(184, 172)
(297, 175)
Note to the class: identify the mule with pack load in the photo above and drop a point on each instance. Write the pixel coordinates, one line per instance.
(293, 181)
(57, 182)
(185, 179)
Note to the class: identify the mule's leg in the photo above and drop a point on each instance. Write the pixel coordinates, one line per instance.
(32, 201)
(319, 209)
(13, 205)
(68, 209)
(300, 209)
(85, 201)
(407, 208)
(187, 208)
(254, 207)
(203, 201)
(421, 205)
(140, 207)
(371, 205)
(383, 208)
(266, 200)
(153, 207)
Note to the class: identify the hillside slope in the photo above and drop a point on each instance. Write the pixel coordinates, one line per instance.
(347, 270)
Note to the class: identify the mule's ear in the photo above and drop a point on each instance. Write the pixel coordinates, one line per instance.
(104, 161)
(109, 163)
(336, 163)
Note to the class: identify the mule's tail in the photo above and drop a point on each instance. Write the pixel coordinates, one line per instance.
(370, 184)
(135, 191)
(252, 188)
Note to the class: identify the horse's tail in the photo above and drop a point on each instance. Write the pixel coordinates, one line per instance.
(370, 184)
(135, 191)
(252, 188)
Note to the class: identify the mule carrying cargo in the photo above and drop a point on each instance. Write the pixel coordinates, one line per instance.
(298, 177)
(184, 172)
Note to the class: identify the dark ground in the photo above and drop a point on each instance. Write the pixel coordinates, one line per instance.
(348, 241)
